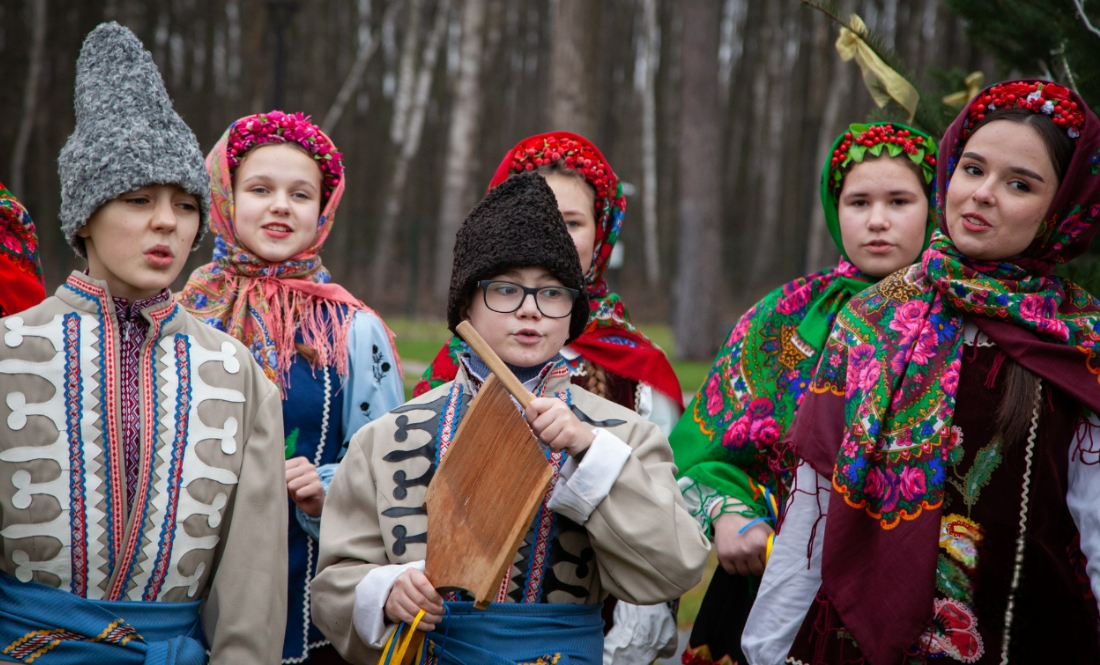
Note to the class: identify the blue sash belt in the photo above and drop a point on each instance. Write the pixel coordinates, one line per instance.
(55, 627)
(518, 633)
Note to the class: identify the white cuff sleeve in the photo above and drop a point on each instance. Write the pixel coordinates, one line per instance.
(587, 483)
(369, 613)
(641, 634)
(1081, 496)
(790, 581)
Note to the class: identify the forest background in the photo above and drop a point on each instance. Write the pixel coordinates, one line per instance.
(716, 115)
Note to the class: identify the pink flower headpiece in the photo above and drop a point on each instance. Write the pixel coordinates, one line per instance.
(278, 127)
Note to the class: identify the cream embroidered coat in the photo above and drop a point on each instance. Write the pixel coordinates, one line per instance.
(638, 542)
(209, 519)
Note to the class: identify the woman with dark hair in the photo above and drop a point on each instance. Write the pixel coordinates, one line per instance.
(946, 504)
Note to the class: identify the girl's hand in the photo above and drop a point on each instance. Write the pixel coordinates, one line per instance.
(741, 554)
(303, 485)
(556, 426)
(411, 593)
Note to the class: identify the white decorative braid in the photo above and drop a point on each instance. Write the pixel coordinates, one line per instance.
(309, 546)
(324, 416)
(1029, 454)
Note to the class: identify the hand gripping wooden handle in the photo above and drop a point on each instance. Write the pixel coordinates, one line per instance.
(493, 361)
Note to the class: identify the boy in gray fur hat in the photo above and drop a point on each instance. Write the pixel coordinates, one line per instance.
(142, 502)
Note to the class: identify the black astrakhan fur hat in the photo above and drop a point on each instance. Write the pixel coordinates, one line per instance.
(516, 225)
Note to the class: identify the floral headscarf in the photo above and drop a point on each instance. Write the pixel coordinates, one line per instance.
(891, 367)
(610, 339)
(266, 304)
(763, 370)
(20, 269)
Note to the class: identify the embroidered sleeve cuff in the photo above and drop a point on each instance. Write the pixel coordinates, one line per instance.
(587, 483)
(369, 613)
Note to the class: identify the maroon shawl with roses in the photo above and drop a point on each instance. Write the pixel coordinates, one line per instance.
(877, 419)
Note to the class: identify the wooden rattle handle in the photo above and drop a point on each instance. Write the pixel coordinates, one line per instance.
(493, 361)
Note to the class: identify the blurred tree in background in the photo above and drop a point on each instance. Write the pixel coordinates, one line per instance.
(425, 96)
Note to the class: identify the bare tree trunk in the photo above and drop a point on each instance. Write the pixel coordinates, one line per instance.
(368, 44)
(37, 11)
(779, 67)
(573, 66)
(465, 124)
(650, 61)
(406, 75)
(409, 147)
(695, 301)
(820, 251)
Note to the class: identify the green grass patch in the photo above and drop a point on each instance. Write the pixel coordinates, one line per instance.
(691, 373)
(419, 340)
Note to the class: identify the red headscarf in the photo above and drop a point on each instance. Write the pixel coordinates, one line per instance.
(610, 340)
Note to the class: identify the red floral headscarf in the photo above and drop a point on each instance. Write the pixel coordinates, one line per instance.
(610, 339)
(20, 269)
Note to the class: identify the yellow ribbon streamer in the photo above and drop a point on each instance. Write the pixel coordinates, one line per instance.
(397, 656)
(882, 82)
(973, 84)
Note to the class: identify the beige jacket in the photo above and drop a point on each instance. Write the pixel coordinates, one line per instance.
(210, 517)
(614, 523)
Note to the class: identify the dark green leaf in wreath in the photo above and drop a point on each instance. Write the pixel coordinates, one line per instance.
(290, 447)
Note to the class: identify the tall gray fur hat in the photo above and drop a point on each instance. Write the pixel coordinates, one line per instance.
(127, 134)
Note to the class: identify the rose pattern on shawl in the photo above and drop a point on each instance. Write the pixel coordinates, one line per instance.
(756, 425)
(713, 392)
(883, 486)
(909, 320)
(1041, 310)
(892, 469)
(913, 485)
(864, 369)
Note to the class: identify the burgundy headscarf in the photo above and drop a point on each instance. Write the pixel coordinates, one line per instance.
(877, 419)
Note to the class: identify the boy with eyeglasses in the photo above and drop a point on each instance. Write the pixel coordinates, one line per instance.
(612, 522)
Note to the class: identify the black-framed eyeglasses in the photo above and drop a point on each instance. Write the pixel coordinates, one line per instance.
(555, 302)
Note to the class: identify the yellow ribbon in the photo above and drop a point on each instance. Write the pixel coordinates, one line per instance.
(768, 551)
(398, 655)
(882, 82)
(973, 84)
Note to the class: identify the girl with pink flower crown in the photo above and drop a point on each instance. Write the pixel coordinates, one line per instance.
(875, 190)
(277, 181)
(946, 504)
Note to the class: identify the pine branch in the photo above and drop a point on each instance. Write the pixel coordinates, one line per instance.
(871, 38)
(931, 114)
